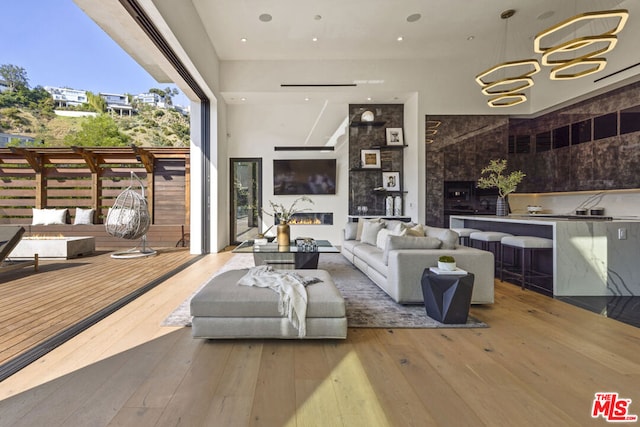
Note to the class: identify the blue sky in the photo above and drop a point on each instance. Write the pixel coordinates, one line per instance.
(58, 45)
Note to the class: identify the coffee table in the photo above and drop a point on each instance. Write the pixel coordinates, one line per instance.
(286, 257)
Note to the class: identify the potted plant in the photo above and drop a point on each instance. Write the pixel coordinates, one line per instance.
(284, 215)
(494, 178)
(447, 263)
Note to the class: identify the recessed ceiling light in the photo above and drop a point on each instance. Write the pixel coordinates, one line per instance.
(315, 39)
(243, 40)
(470, 38)
(307, 98)
(243, 99)
(317, 17)
(400, 38)
(369, 98)
(414, 17)
(265, 17)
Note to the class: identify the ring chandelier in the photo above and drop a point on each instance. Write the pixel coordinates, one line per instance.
(585, 58)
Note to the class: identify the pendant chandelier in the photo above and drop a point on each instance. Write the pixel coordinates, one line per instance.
(579, 56)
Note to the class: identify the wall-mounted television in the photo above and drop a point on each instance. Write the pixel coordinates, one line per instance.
(304, 176)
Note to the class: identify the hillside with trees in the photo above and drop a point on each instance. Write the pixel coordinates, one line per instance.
(30, 112)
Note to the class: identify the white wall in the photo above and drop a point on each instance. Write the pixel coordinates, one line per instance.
(253, 131)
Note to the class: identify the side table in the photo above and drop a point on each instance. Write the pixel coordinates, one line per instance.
(447, 298)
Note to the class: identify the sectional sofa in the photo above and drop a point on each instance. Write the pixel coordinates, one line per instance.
(394, 255)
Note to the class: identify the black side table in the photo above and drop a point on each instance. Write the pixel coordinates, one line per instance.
(447, 297)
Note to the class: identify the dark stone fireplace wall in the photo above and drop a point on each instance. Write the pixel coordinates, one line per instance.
(364, 136)
(463, 145)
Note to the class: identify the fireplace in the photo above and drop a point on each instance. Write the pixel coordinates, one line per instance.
(310, 218)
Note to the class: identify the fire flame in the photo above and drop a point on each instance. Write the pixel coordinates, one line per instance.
(305, 221)
(58, 236)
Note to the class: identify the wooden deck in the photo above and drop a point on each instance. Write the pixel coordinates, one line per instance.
(64, 297)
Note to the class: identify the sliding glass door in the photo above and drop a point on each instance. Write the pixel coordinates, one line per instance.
(246, 198)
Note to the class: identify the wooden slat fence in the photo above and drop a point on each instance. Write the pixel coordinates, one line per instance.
(92, 178)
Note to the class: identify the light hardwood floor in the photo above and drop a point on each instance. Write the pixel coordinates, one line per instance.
(539, 363)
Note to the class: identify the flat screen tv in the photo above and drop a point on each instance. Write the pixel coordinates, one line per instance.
(297, 176)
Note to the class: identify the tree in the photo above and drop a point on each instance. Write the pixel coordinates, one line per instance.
(100, 130)
(14, 76)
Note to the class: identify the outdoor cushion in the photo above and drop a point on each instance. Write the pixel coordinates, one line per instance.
(83, 216)
(49, 216)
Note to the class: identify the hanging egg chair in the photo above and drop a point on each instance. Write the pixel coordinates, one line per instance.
(129, 219)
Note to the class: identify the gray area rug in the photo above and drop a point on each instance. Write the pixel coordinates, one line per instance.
(367, 305)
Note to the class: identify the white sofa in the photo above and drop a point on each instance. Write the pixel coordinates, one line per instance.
(394, 255)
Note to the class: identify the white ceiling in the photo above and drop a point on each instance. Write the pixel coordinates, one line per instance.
(368, 29)
(446, 31)
(450, 43)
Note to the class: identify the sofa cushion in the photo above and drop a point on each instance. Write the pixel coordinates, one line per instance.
(410, 242)
(361, 225)
(381, 241)
(416, 230)
(351, 231)
(449, 237)
(393, 224)
(370, 231)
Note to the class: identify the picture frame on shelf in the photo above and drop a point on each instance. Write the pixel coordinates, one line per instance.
(395, 136)
(370, 159)
(391, 181)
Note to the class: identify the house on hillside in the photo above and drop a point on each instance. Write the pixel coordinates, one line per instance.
(6, 138)
(67, 97)
(118, 103)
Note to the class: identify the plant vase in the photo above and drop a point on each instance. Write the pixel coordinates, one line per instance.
(447, 266)
(502, 207)
(284, 234)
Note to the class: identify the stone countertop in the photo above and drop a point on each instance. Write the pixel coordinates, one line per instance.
(547, 219)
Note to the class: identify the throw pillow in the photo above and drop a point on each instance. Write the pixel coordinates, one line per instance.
(49, 216)
(370, 231)
(410, 242)
(449, 237)
(417, 230)
(83, 216)
(361, 224)
(393, 224)
(350, 231)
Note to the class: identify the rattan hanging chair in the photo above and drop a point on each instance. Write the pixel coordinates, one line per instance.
(129, 219)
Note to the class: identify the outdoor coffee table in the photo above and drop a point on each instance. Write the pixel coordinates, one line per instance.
(286, 257)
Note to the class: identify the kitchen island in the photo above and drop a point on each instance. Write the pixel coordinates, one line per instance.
(592, 256)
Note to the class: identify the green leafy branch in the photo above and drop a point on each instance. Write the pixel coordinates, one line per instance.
(495, 179)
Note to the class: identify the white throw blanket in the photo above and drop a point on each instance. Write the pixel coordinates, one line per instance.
(289, 286)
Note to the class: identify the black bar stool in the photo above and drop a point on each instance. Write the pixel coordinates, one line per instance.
(490, 241)
(464, 234)
(522, 269)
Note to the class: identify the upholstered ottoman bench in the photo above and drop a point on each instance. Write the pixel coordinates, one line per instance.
(224, 309)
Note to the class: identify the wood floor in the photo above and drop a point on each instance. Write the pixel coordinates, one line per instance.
(539, 363)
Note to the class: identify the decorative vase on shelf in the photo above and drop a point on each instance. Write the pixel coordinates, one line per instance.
(502, 207)
(389, 206)
(397, 206)
(284, 234)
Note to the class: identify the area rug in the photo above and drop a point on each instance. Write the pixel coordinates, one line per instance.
(367, 305)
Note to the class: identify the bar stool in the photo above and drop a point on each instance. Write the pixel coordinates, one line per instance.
(464, 234)
(490, 241)
(527, 247)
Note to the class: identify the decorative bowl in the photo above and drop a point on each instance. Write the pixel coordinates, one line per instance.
(534, 209)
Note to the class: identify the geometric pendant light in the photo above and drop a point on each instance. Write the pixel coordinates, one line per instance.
(505, 82)
(579, 56)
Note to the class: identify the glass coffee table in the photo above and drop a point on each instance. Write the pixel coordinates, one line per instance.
(287, 257)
